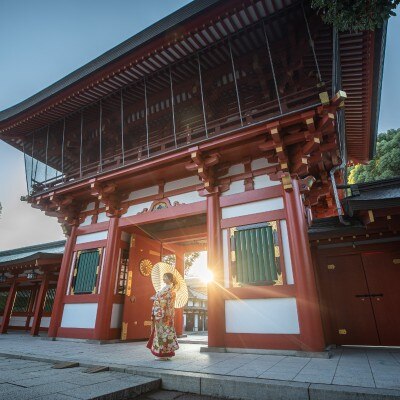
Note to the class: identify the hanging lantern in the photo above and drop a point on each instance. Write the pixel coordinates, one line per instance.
(32, 275)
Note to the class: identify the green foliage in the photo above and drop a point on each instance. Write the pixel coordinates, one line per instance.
(385, 164)
(190, 258)
(355, 15)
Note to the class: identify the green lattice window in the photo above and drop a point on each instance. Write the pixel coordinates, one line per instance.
(255, 255)
(87, 266)
(3, 300)
(49, 301)
(21, 302)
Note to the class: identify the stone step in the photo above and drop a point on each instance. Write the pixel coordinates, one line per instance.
(27, 379)
(124, 388)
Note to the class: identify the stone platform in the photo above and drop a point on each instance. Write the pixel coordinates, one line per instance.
(350, 373)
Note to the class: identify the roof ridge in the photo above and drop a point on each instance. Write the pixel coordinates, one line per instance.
(40, 246)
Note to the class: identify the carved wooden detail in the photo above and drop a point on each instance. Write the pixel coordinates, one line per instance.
(204, 166)
(110, 196)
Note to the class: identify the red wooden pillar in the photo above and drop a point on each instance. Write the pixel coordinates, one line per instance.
(62, 283)
(311, 330)
(8, 307)
(216, 303)
(104, 310)
(32, 302)
(37, 317)
(180, 267)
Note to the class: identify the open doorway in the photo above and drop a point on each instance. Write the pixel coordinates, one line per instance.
(195, 315)
(182, 243)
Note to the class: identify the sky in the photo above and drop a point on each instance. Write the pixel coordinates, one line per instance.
(41, 41)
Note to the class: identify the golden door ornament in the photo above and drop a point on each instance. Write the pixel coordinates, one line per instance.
(145, 267)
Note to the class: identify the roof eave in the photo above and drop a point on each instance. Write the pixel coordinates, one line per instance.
(146, 36)
(379, 58)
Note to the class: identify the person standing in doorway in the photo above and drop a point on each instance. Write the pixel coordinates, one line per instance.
(163, 341)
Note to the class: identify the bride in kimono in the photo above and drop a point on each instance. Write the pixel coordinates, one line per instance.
(163, 341)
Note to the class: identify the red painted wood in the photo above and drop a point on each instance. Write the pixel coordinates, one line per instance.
(311, 331)
(8, 307)
(76, 333)
(110, 265)
(183, 210)
(339, 288)
(383, 276)
(252, 195)
(32, 300)
(62, 284)
(37, 318)
(216, 303)
(81, 298)
(135, 314)
(253, 218)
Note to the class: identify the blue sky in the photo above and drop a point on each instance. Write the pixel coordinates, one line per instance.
(43, 40)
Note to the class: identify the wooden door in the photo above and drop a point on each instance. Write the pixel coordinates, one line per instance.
(382, 270)
(346, 302)
(137, 316)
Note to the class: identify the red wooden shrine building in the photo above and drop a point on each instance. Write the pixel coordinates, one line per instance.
(223, 125)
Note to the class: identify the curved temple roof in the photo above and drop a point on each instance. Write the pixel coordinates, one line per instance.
(129, 45)
(191, 29)
(30, 253)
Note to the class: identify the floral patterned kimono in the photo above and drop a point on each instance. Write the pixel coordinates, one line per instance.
(163, 341)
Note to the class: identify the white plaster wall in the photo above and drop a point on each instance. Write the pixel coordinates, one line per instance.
(89, 207)
(91, 237)
(82, 315)
(45, 322)
(259, 163)
(262, 316)
(137, 208)
(116, 315)
(102, 217)
(275, 203)
(264, 181)
(17, 321)
(235, 188)
(234, 170)
(225, 254)
(87, 221)
(186, 198)
(137, 194)
(180, 183)
(286, 253)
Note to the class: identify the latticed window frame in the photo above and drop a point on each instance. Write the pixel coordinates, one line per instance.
(278, 254)
(3, 301)
(49, 300)
(17, 299)
(76, 268)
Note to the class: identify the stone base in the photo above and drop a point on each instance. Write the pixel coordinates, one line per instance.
(291, 353)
